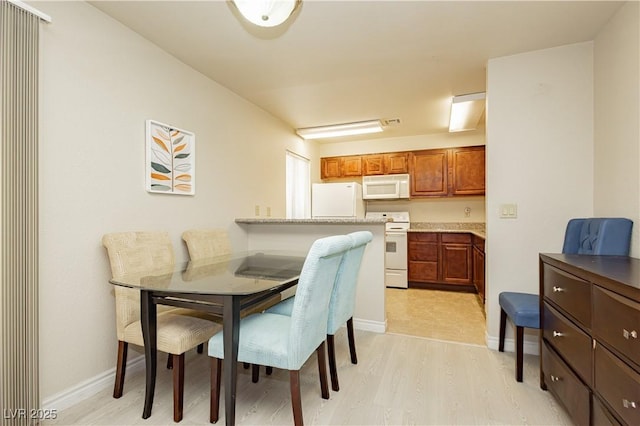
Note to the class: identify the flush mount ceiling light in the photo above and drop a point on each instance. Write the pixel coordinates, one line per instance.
(266, 13)
(348, 129)
(466, 111)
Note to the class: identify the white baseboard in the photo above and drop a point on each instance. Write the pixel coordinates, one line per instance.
(89, 387)
(531, 347)
(368, 325)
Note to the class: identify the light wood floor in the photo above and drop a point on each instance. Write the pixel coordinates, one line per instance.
(398, 380)
(435, 314)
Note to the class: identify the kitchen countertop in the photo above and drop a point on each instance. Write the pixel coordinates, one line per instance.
(474, 228)
(282, 221)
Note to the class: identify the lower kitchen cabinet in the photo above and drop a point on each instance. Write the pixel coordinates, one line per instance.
(478, 266)
(441, 258)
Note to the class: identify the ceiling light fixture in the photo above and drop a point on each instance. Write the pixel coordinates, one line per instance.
(466, 111)
(335, 130)
(266, 13)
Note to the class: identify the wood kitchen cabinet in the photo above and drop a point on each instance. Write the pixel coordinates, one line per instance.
(429, 173)
(373, 164)
(478, 266)
(339, 167)
(467, 170)
(441, 258)
(385, 164)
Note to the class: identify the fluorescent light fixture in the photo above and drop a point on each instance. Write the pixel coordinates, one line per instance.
(348, 129)
(466, 111)
(266, 13)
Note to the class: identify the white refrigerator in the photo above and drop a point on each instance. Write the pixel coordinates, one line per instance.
(341, 200)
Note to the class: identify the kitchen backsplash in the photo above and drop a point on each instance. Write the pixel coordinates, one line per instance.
(436, 210)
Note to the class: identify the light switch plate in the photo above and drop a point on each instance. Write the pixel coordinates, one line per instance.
(508, 211)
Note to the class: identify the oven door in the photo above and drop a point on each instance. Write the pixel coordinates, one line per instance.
(395, 255)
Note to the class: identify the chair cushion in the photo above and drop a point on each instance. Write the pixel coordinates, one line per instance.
(522, 308)
(176, 333)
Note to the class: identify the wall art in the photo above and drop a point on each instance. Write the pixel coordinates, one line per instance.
(171, 159)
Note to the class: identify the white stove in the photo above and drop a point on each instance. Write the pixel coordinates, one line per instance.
(395, 256)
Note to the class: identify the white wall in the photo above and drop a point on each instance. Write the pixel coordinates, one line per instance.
(99, 83)
(451, 209)
(539, 156)
(617, 119)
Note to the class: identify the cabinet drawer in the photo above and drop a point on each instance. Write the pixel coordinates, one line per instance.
(423, 271)
(567, 388)
(447, 237)
(421, 251)
(570, 293)
(569, 341)
(618, 385)
(600, 415)
(429, 237)
(616, 321)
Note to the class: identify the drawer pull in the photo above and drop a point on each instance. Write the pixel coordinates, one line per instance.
(557, 289)
(629, 404)
(629, 334)
(557, 379)
(557, 334)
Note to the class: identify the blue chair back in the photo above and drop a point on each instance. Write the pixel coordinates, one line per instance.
(598, 236)
(343, 298)
(311, 304)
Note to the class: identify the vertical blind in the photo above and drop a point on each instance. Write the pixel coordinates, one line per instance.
(19, 393)
(298, 198)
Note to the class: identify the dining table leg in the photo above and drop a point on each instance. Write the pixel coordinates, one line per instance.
(230, 337)
(149, 335)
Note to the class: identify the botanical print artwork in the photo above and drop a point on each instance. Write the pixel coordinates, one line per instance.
(170, 159)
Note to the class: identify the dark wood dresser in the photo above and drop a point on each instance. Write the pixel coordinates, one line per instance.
(590, 336)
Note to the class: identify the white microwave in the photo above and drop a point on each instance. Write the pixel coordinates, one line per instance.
(385, 187)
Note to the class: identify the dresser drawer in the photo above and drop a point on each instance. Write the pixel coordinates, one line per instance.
(618, 385)
(569, 293)
(616, 321)
(566, 386)
(600, 416)
(569, 341)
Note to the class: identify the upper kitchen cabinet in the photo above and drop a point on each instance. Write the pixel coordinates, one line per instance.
(429, 173)
(337, 167)
(447, 172)
(385, 164)
(468, 169)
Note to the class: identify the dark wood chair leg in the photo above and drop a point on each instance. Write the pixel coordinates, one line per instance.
(169, 362)
(269, 370)
(214, 404)
(246, 365)
(178, 386)
(352, 341)
(503, 325)
(121, 367)
(519, 352)
(200, 348)
(322, 371)
(333, 371)
(296, 399)
(255, 373)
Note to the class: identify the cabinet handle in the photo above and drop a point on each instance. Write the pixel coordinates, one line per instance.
(557, 379)
(557, 334)
(629, 404)
(629, 334)
(557, 289)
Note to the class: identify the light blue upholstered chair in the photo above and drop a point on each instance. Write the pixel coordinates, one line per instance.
(591, 236)
(286, 342)
(343, 301)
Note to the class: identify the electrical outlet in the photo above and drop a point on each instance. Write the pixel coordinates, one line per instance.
(467, 211)
(268, 211)
(257, 210)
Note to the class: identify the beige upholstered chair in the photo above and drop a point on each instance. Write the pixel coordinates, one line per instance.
(177, 332)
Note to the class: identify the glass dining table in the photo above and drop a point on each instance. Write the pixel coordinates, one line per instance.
(225, 286)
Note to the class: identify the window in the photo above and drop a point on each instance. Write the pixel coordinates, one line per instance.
(298, 187)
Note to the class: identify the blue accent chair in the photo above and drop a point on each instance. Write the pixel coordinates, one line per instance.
(286, 342)
(343, 302)
(591, 236)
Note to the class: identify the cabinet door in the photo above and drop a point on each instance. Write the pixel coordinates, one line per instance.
(478, 271)
(396, 163)
(352, 166)
(423, 257)
(373, 164)
(330, 167)
(428, 173)
(456, 258)
(468, 171)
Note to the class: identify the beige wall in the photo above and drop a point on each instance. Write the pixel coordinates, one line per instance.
(424, 210)
(617, 119)
(539, 156)
(99, 83)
